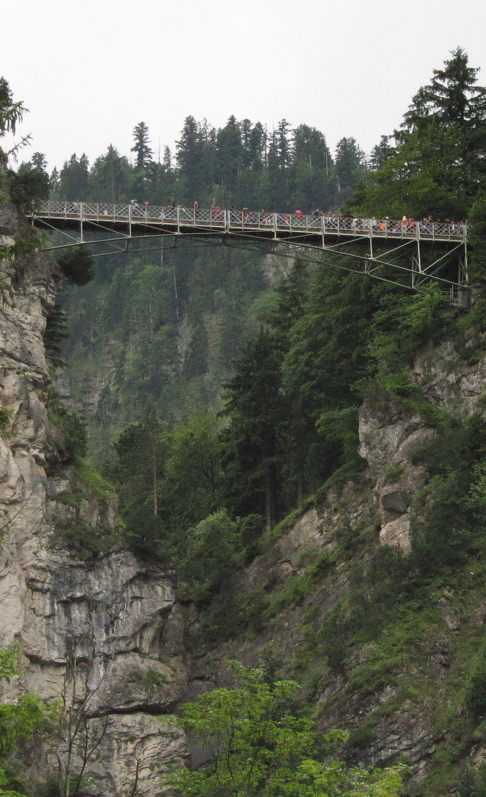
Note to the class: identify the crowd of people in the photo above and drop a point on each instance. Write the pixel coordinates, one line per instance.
(333, 221)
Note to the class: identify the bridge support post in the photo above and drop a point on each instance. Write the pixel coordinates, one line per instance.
(415, 268)
(130, 209)
(370, 233)
(323, 230)
(178, 220)
(81, 216)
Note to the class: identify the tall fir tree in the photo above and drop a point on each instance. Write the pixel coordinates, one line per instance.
(74, 177)
(143, 152)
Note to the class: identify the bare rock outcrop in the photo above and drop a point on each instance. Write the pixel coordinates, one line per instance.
(105, 623)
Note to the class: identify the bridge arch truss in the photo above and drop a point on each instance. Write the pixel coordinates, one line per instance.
(407, 253)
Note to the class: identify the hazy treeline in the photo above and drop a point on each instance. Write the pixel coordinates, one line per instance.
(240, 164)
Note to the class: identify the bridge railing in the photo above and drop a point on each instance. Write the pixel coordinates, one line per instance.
(244, 219)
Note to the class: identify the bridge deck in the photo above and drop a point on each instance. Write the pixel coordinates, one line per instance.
(130, 219)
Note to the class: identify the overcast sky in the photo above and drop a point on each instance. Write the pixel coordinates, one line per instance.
(89, 71)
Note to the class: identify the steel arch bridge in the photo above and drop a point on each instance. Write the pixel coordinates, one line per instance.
(415, 252)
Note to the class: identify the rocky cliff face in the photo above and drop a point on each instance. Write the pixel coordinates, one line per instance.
(104, 628)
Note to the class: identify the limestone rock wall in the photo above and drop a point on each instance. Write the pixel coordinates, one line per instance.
(102, 628)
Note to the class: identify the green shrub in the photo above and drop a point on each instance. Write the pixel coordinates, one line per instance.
(82, 538)
(92, 479)
(27, 190)
(445, 528)
(225, 617)
(334, 635)
(71, 425)
(252, 528)
(362, 736)
(77, 265)
(394, 473)
(476, 697)
(405, 322)
(211, 556)
(5, 418)
(154, 679)
(472, 782)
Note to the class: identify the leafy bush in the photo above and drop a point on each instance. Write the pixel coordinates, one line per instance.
(334, 634)
(258, 747)
(472, 782)
(445, 527)
(394, 473)
(227, 616)
(252, 528)
(477, 692)
(404, 323)
(71, 425)
(83, 539)
(145, 532)
(211, 556)
(5, 418)
(92, 479)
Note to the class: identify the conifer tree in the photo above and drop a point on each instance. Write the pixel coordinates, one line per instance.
(477, 239)
(108, 179)
(350, 167)
(141, 147)
(39, 161)
(11, 113)
(283, 144)
(258, 146)
(255, 406)
(73, 180)
(190, 159)
(229, 158)
(380, 153)
(438, 164)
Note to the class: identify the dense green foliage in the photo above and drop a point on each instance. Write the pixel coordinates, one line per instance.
(301, 360)
(11, 113)
(257, 748)
(160, 333)
(437, 165)
(77, 266)
(29, 185)
(19, 721)
(73, 443)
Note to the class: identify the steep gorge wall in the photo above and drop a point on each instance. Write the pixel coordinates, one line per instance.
(118, 621)
(106, 621)
(401, 694)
